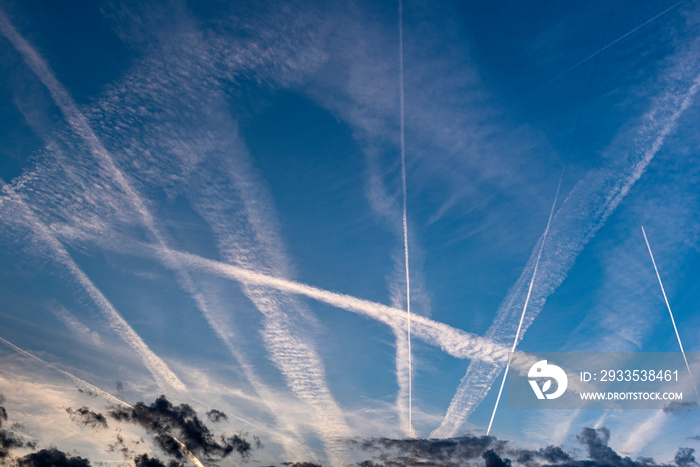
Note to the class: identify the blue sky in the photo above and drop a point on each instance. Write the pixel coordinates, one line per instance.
(157, 156)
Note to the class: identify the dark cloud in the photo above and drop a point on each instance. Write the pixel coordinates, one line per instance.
(216, 416)
(85, 416)
(487, 451)
(444, 452)
(51, 458)
(119, 385)
(120, 446)
(685, 457)
(8, 441)
(145, 461)
(3, 415)
(162, 417)
(682, 408)
(494, 460)
(87, 392)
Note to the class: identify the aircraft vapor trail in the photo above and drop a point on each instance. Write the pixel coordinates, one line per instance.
(155, 364)
(81, 127)
(673, 321)
(94, 389)
(610, 44)
(527, 301)
(583, 213)
(453, 341)
(405, 221)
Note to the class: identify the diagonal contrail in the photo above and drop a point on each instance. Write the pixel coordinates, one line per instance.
(453, 341)
(405, 220)
(155, 364)
(610, 44)
(81, 127)
(299, 362)
(583, 213)
(95, 390)
(522, 316)
(673, 321)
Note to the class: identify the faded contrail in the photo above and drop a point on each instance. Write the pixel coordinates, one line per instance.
(155, 364)
(527, 301)
(94, 389)
(610, 44)
(405, 221)
(673, 321)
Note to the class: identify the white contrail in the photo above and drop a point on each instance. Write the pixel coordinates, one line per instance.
(610, 44)
(82, 128)
(155, 364)
(80, 125)
(522, 316)
(583, 213)
(95, 390)
(453, 341)
(673, 321)
(405, 221)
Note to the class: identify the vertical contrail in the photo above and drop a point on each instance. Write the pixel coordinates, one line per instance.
(405, 221)
(94, 389)
(663, 291)
(522, 316)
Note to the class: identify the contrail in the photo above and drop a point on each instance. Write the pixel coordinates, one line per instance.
(582, 214)
(405, 221)
(94, 389)
(527, 301)
(610, 44)
(155, 364)
(82, 128)
(310, 368)
(673, 321)
(453, 341)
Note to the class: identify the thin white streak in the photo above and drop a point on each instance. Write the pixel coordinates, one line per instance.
(673, 321)
(605, 47)
(527, 301)
(405, 221)
(155, 364)
(94, 389)
(81, 383)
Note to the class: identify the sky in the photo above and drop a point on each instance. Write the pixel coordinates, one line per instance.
(223, 203)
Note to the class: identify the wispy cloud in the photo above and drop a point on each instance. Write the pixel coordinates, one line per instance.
(76, 326)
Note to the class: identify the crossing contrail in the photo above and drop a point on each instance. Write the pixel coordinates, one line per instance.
(81, 127)
(158, 368)
(583, 213)
(300, 363)
(95, 390)
(453, 341)
(405, 221)
(673, 321)
(522, 316)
